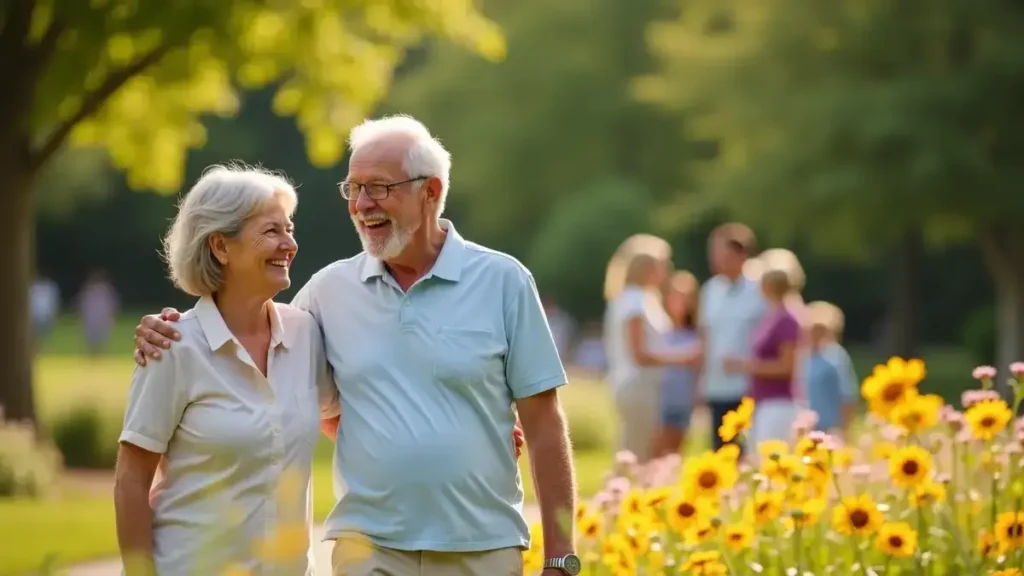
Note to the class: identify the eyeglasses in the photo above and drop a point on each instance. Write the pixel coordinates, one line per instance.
(374, 191)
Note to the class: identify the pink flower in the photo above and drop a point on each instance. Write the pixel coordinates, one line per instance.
(617, 486)
(625, 458)
(983, 373)
(805, 421)
(860, 470)
(1017, 369)
(952, 418)
(972, 397)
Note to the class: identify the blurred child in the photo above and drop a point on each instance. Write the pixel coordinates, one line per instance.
(679, 298)
(773, 363)
(831, 383)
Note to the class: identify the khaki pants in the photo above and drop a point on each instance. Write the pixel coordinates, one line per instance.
(355, 556)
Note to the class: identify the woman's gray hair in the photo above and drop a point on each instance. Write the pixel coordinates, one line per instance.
(220, 202)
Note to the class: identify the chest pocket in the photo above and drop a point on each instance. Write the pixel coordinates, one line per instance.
(463, 356)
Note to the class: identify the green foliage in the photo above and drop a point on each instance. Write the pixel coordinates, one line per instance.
(136, 79)
(85, 437)
(980, 336)
(846, 121)
(28, 465)
(547, 122)
(579, 236)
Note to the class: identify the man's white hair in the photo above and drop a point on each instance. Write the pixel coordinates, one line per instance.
(223, 199)
(425, 157)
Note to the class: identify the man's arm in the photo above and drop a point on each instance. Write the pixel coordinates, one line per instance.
(547, 433)
(534, 372)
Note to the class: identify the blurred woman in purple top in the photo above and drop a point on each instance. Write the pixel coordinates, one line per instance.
(773, 363)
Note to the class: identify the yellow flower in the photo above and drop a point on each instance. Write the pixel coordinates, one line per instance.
(1008, 572)
(730, 453)
(769, 449)
(236, 570)
(684, 511)
(701, 532)
(1009, 531)
(704, 563)
(883, 450)
(805, 514)
(780, 468)
(897, 539)
(590, 526)
(707, 475)
(533, 561)
(634, 503)
(987, 418)
(927, 494)
(910, 466)
(738, 536)
(987, 545)
(764, 507)
(856, 515)
(890, 384)
(657, 497)
(736, 421)
(916, 413)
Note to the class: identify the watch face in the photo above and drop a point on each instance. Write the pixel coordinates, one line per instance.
(572, 564)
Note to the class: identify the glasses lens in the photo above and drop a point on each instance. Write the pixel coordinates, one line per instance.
(377, 191)
(346, 190)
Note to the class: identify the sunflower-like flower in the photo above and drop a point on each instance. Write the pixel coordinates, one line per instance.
(705, 563)
(988, 418)
(890, 384)
(708, 474)
(897, 539)
(685, 512)
(764, 507)
(857, 515)
(738, 536)
(910, 466)
(1009, 531)
(917, 412)
(736, 421)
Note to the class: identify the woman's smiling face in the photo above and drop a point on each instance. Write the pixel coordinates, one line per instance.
(260, 256)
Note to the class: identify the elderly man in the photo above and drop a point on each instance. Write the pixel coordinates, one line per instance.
(431, 339)
(730, 307)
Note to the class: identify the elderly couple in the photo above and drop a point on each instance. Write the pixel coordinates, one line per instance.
(417, 353)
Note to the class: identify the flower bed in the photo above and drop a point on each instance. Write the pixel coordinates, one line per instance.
(925, 490)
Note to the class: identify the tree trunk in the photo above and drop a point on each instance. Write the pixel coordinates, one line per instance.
(1004, 253)
(17, 234)
(904, 295)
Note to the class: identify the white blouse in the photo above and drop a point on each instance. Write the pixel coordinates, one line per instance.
(233, 488)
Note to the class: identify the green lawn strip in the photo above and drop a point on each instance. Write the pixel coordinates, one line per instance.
(71, 529)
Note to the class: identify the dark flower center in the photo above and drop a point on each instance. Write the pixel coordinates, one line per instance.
(988, 422)
(910, 467)
(859, 518)
(892, 392)
(707, 479)
(896, 541)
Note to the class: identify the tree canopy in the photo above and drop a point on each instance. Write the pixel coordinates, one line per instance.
(138, 78)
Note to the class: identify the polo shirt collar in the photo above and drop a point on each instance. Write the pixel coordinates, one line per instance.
(218, 334)
(448, 265)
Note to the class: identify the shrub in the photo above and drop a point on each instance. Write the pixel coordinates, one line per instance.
(85, 439)
(28, 465)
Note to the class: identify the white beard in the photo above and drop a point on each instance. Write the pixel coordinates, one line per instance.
(390, 247)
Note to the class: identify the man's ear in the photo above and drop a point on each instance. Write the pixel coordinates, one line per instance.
(434, 189)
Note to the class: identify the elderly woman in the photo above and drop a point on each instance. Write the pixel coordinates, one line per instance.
(228, 419)
(635, 327)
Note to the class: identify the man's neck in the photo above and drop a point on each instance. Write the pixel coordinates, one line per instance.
(419, 255)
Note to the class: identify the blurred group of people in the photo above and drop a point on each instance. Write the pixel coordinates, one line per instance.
(673, 344)
(97, 305)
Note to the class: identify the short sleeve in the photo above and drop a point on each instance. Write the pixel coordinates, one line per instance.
(327, 389)
(847, 375)
(156, 402)
(532, 365)
(787, 330)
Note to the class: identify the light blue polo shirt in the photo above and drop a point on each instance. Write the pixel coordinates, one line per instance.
(427, 379)
(729, 312)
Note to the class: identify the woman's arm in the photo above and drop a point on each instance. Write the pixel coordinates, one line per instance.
(132, 480)
(156, 404)
(636, 339)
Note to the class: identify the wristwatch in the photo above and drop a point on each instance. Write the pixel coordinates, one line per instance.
(570, 564)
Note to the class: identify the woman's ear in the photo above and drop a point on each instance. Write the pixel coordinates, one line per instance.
(219, 248)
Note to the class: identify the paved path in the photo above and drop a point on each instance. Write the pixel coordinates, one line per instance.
(323, 555)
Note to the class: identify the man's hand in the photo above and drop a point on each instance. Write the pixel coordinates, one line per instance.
(154, 332)
(517, 439)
